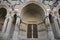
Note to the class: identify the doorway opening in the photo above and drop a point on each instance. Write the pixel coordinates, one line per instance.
(32, 31)
(33, 14)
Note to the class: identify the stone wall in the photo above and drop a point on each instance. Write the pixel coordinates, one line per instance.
(20, 13)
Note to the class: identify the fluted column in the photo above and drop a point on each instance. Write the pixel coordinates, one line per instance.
(5, 25)
(49, 29)
(57, 30)
(16, 31)
(9, 26)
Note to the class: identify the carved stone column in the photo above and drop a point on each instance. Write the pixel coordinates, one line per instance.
(49, 29)
(57, 33)
(5, 25)
(9, 26)
(16, 31)
(59, 22)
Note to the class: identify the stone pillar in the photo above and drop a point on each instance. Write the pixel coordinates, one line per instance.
(57, 30)
(10, 23)
(49, 29)
(5, 25)
(59, 22)
(16, 31)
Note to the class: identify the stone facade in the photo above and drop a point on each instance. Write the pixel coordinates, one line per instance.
(17, 15)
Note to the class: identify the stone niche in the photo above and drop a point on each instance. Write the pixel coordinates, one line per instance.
(32, 13)
(3, 13)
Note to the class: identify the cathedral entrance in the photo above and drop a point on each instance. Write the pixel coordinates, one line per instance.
(32, 31)
(33, 26)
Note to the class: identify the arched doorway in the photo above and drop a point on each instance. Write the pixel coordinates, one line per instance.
(33, 16)
(3, 13)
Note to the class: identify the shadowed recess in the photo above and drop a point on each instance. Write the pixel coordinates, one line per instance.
(32, 13)
(3, 13)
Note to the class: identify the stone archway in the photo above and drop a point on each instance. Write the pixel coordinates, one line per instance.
(34, 14)
(3, 13)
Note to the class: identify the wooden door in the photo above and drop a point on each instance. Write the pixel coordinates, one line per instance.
(35, 32)
(29, 31)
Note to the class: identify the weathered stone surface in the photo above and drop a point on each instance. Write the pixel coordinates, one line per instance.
(29, 12)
